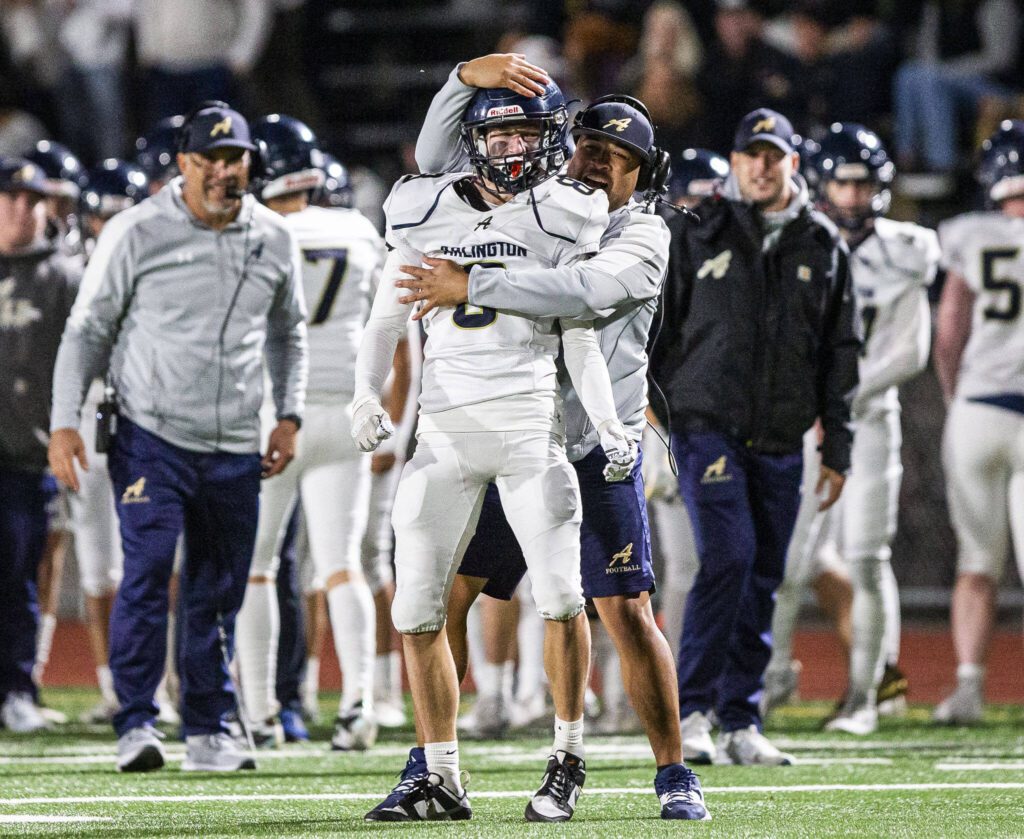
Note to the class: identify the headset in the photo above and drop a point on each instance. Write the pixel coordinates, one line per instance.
(655, 163)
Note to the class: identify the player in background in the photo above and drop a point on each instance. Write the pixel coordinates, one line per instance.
(979, 356)
(155, 152)
(342, 254)
(65, 178)
(110, 187)
(489, 411)
(619, 287)
(892, 264)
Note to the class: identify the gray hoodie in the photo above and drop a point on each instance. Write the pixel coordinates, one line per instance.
(182, 314)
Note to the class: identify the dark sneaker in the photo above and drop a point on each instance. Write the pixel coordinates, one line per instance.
(427, 798)
(680, 794)
(892, 692)
(556, 799)
(415, 768)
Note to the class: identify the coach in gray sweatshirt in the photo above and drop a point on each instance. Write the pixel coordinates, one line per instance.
(184, 296)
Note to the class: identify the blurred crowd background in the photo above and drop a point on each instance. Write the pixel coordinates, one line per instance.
(932, 77)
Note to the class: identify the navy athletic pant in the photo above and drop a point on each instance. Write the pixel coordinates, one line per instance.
(162, 489)
(23, 522)
(743, 506)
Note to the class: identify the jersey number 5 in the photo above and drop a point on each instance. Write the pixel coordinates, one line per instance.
(338, 258)
(475, 317)
(993, 283)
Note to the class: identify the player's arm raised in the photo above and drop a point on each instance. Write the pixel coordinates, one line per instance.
(589, 374)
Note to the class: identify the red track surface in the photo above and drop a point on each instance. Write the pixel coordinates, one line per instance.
(927, 660)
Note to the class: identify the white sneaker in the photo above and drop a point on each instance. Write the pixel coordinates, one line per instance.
(20, 714)
(354, 730)
(102, 712)
(52, 715)
(487, 719)
(527, 712)
(389, 715)
(698, 747)
(780, 687)
(267, 735)
(860, 721)
(139, 750)
(964, 706)
(218, 752)
(749, 747)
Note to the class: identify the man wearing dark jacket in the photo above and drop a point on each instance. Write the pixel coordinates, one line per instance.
(757, 343)
(37, 288)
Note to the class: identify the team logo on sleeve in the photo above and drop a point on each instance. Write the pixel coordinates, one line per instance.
(135, 493)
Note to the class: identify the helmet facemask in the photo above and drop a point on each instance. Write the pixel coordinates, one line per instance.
(523, 170)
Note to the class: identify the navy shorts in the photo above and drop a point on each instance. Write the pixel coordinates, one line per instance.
(615, 538)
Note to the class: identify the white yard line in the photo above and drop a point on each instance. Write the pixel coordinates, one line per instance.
(484, 794)
(23, 819)
(981, 767)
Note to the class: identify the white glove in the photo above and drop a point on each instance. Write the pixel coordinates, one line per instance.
(371, 424)
(618, 448)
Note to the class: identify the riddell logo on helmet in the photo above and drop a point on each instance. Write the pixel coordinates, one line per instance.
(505, 111)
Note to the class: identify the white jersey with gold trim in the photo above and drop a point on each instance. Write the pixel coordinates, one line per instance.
(342, 255)
(987, 250)
(476, 354)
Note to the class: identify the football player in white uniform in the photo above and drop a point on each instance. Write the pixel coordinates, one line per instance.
(619, 287)
(979, 356)
(489, 411)
(342, 255)
(892, 264)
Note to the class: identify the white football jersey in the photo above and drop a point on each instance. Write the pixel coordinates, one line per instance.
(987, 250)
(891, 271)
(342, 255)
(476, 354)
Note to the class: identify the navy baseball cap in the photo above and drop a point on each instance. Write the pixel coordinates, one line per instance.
(216, 128)
(617, 119)
(18, 174)
(764, 125)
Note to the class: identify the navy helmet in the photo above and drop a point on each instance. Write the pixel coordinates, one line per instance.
(515, 173)
(290, 156)
(696, 173)
(337, 189)
(156, 150)
(113, 185)
(851, 152)
(1001, 170)
(65, 174)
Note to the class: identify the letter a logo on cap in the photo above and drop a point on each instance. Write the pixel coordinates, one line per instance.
(222, 127)
(766, 124)
(620, 124)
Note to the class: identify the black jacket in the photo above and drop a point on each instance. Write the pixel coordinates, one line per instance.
(37, 289)
(757, 345)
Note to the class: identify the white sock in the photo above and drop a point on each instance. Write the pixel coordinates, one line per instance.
(530, 678)
(396, 694)
(443, 759)
(257, 629)
(382, 677)
(488, 680)
(475, 641)
(971, 675)
(44, 643)
(506, 681)
(311, 684)
(568, 737)
(353, 624)
(891, 604)
(868, 622)
(787, 609)
(106, 682)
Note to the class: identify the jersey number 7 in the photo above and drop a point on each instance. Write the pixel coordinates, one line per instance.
(335, 277)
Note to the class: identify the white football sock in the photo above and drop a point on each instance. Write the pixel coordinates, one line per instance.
(530, 678)
(488, 680)
(396, 695)
(44, 643)
(568, 737)
(475, 640)
(443, 759)
(891, 604)
(311, 684)
(353, 624)
(868, 624)
(106, 682)
(257, 629)
(971, 675)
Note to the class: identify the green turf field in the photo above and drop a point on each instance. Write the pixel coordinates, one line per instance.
(910, 779)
